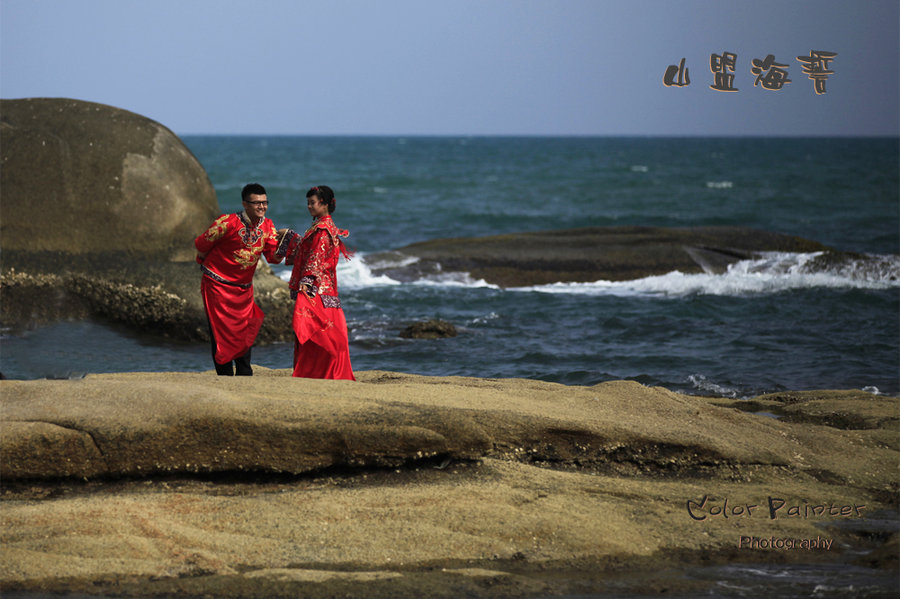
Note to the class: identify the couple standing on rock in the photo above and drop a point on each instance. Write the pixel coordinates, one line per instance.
(228, 252)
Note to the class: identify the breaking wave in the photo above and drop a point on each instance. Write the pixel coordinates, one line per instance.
(771, 273)
(358, 273)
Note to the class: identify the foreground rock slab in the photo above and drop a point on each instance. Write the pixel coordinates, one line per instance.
(402, 485)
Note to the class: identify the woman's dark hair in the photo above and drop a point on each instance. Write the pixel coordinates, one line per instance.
(325, 195)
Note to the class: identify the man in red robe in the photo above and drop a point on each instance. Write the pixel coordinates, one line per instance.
(228, 252)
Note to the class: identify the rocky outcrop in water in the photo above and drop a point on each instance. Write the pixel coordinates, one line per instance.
(586, 255)
(429, 329)
(98, 211)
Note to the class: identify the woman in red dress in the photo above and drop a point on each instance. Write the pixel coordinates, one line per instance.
(321, 348)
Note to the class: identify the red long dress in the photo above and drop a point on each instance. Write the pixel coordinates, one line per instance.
(233, 247)
(321, 349)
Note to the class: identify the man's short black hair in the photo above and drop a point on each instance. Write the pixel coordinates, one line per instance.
(252, 189)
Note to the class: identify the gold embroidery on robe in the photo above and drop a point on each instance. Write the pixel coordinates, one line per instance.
(247, 258)
(217, 229)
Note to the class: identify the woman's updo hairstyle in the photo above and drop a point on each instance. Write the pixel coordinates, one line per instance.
(325, 195)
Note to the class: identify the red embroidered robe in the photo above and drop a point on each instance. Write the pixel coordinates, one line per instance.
(321, 345)
(233, 247)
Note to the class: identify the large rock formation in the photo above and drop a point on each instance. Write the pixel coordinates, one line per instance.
(145, 424)
(98, 211)
(80, 178)
(185, 484)
(586, 255)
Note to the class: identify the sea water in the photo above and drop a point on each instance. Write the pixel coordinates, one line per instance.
(768, 324)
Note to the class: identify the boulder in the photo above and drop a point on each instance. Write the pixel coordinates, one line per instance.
(99, 208)
(80, 177)
(429, 329)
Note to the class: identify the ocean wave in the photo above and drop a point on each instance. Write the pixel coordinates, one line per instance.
(703, 385)
(358, 273)
(352, 273)
(773, 272)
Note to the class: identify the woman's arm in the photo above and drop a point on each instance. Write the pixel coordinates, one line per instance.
(313, 265)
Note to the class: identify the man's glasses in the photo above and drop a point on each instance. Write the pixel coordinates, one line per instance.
(256, 203)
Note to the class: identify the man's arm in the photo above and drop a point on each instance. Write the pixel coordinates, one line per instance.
(271, 244)
(207, 240)
(287, 244)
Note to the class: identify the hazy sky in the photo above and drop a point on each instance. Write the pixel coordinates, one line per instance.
(563, 67)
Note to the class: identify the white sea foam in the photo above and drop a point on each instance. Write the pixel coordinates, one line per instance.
(772, 273)
(719, 184)
(453, 279)
(391, 260)
(485, 318)
(701, 383)
(352, 273)
(357, 273)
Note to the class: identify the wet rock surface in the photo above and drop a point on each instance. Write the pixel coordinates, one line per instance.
(151, 296)
(154, 484)
(848, 409)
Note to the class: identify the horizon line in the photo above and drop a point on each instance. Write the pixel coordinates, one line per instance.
(566, 135)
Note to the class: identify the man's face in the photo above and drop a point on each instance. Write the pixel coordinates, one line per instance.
(256, 206)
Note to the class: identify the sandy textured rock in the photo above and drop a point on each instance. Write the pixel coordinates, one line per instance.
(145, 423)
(151, 484)
(49, 450)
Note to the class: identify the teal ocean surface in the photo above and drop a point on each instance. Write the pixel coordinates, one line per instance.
(766, 325)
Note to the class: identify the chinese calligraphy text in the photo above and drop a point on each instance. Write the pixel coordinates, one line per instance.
(769, 74)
